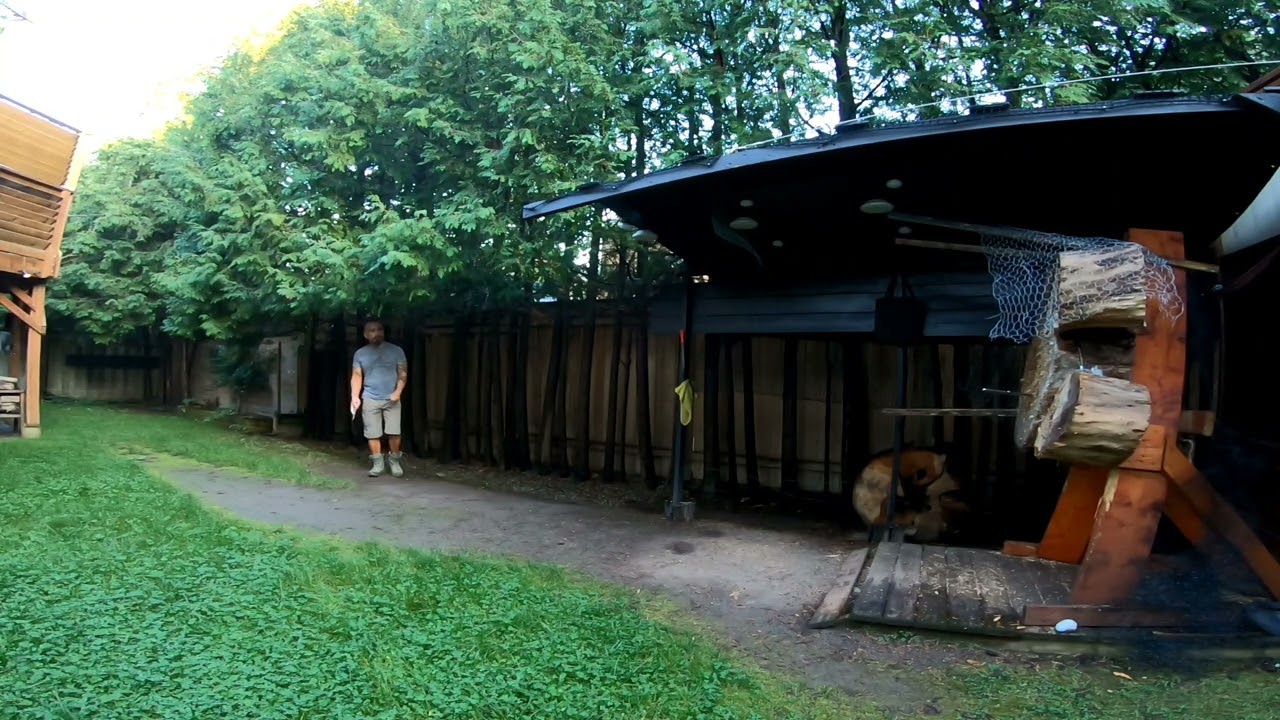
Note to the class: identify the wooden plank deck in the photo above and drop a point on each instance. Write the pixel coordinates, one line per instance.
(986, 592)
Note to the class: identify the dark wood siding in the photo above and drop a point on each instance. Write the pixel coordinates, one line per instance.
(960, 306)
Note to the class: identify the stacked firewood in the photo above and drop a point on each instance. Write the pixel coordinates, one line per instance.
(8, 395)
(1078, 404)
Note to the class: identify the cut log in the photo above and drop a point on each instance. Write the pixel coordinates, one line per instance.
(1102, 288)
(1047, 366)
(1094, 420)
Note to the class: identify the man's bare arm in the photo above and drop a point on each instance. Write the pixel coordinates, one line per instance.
(357, 384)
(402, 377)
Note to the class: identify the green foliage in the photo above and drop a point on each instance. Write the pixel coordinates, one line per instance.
(237, 365)
(102, 428)
(124, 598)
(1000, 693)
(375, 156)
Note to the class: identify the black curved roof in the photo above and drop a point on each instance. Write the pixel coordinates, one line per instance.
(1166, 162)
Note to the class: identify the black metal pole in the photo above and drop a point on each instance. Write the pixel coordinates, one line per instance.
(682, 374)
(899, 430)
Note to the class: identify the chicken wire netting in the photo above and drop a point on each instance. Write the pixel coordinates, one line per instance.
(1024, 268)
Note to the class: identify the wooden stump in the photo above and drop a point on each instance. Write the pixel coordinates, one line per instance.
(1102, 288)
(1094, 420)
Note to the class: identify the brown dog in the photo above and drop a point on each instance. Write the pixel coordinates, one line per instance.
(928, 497)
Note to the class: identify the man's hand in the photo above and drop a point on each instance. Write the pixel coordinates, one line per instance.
(355, 405)
(395, 397)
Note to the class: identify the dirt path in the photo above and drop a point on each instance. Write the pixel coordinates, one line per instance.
(755, 585)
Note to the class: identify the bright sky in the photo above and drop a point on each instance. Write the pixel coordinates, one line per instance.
(118, 68)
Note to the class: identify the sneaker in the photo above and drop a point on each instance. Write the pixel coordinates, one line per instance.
(394, 461)
(378, 466)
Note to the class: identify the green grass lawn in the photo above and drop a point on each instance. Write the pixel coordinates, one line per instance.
(122, 597)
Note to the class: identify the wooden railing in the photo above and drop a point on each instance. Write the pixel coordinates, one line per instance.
(35, 171)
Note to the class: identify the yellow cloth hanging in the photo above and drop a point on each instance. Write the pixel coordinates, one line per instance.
(685, 392)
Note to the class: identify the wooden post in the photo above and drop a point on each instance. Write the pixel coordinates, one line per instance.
(31, 398)
(1126, 519)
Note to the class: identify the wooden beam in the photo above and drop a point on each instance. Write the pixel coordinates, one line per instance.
(1223, 518)
(1125, 523)
(59, 227)
(835, 605)
(1017, 548)
(33, 315)
(31, 394)
(970, 248)
(1067, 536)
(1197, 422)
(1124, 529)
(1102, 616)
(20, 312)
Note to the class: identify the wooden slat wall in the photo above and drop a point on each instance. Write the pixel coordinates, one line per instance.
(118, 384)
(433, 373)
(29, 220)
(35, 164)
(768, 360)
(35, 147)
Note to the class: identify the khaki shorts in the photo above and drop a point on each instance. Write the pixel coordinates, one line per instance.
(380, 416)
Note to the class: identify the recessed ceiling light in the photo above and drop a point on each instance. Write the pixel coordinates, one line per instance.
(744, 223)
(893, 183)
(877, 207)
(627, 226)
(644, 235)
(777, 243)
(904, 230)
(747, 203)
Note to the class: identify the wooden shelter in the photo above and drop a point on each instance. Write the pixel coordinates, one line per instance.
(37, 154)
(1097, 222)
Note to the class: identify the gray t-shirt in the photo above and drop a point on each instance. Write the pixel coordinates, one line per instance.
(379, 367)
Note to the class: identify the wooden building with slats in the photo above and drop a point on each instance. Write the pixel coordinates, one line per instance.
(37, 174)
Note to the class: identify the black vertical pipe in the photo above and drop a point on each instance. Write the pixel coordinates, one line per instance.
(899, 430)
(682, 374)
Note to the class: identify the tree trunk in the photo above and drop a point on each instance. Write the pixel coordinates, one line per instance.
(583, 471)
(495, 429)
(1094, 420)
(455, 431)
(840, 42)
(615, 360)
(625, 371)
(484, 404)
(826, 420)
(520, 391)
(855, 430)
(419, 393)
(731, 421)
(711, 413)
(790, 414)
(551, 392)
(749, 417)
(561, 421)
(644, 421)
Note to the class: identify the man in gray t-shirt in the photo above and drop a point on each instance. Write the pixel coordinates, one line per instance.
(379, 371)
